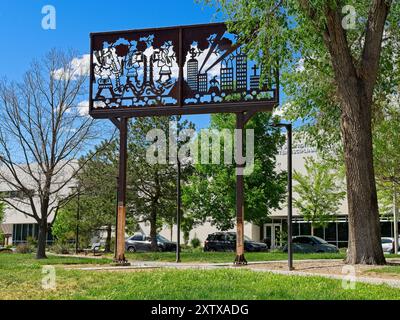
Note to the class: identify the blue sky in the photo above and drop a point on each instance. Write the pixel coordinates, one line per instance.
(24, 39)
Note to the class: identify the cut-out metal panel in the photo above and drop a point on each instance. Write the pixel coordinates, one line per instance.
(182, 70)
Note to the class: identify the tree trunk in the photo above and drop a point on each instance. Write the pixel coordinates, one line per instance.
(364, 225)
(153, 230)
(312, 230)
(108, 239)
(42, 239)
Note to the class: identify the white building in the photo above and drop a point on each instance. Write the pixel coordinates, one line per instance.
(336, 232)
(17, 226)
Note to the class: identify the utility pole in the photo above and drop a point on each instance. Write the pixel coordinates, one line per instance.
(178, 213)
(78, 213)
(395, 222)
(289, 131)
(178, 196)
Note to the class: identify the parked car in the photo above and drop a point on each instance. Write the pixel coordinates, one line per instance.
(311, 244)
(226, 241)
(142, 243)
(388, 244)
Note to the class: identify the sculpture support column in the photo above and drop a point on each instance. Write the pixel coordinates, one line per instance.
(121, 214)
(240, 122)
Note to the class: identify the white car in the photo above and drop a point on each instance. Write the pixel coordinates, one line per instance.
(388, 245)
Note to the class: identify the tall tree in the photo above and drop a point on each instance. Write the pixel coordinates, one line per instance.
(42, 131)
(210, 192)
(319, 193)
(97, 199)
(287, 30)
(2, 209)
(97, 182)
(386, 158)
(151, 182)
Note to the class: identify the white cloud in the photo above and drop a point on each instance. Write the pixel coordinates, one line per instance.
(300, 65)
(280, 111)
(83, 108)
(78, 67)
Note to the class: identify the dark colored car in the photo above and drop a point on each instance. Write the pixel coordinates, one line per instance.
(226, 241)
(141, 243)
(311, 244)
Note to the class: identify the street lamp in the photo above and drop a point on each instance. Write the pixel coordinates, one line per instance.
(178, 212)
(78, 209)
(289, 130)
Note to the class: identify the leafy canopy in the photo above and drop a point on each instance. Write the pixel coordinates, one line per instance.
(210, 192)
(318, 193)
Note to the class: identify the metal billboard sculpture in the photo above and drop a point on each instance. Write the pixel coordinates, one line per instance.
(175, 71)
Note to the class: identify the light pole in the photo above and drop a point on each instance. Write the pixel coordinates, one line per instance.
(395, 222)
(78, 214)
(116, 221)
(289, 131)
(178, 213)
(178, 196)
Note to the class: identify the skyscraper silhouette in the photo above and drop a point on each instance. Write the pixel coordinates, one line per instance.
(255, 79)
(192, 78)
(241, 72)
(203, 82)
(227, 77)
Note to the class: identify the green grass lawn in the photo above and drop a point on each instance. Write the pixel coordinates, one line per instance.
(388, 269)
(226, 257)
(21, 276)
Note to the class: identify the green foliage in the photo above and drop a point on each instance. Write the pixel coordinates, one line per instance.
(152, 186)
(386, 155)
(94, 196)
(64, 226)
(291, 34)
(195, 243)
(60, 247)
(210, 192)
(24, 248)
(31, 242)
(318, 193)
(188, 223)
(2, 209)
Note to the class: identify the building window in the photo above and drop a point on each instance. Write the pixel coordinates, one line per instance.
(21, 233)
(15, 194)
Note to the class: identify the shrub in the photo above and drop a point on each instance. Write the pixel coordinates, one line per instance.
(195, 242)
(24, 248)
(32, 242)
(60, 248)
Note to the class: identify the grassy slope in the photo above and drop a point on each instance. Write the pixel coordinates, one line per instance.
(389, 270)
(20, 278)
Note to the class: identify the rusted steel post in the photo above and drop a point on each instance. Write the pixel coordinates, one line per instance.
(240, 122)
(121, 216)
